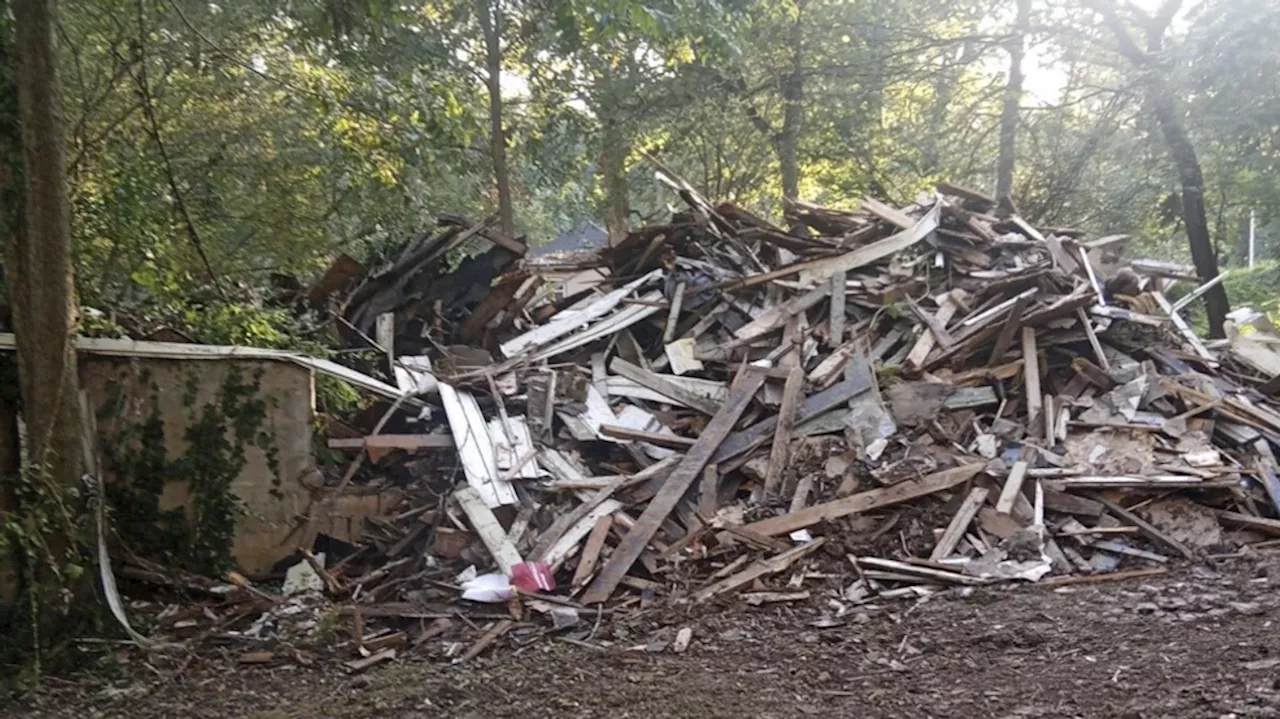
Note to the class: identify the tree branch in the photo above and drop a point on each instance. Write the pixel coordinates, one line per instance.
(180, 206)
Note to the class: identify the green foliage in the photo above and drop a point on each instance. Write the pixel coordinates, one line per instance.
(1257, 287)
(217, 436)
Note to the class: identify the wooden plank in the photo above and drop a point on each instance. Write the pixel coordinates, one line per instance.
(591, 552)
(760, 568)
(866, 501)
(1089, 332)
(1012, 486)
(959, 523)
(1248, 521)
(489, 637)
(778, 453)
(1031, 371)
(889, 214)
(920, 571)
(1147, 529)
(487, 527)
(987, 315)
(835, 332)
(822, 268)
(475, 451)
(673, 315)
(672, 490)
(708, 498)
(1116, 546)
(1158, 482)
(740, 443)
(408, 442)
(672, 441)
(1108, 577)
(664, 386)
(568, 320)
(946, 311)
(1093, 278)
(1072, 504)
(1010, 329)
(712, 390)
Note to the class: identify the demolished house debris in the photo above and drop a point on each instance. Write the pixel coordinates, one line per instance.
(883, 403)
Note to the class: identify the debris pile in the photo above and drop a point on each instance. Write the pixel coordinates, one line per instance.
(874, 404)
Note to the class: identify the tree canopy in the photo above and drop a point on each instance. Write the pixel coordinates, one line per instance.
(213, 145)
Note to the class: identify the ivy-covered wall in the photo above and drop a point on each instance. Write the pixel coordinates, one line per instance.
(209, 464)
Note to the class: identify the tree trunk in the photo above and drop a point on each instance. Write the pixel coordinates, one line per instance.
(1009, 113)
(613, 168)
(490, 12)
(1187, 163)
(787, 144)
(1164, 106)
(38, 258)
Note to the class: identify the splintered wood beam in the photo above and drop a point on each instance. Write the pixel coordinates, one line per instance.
(835, 335)
(778, 316)
(591, 552)
(739, 443)
(673, 489)
(1010, 329)
(892, 215)
(1184, 329)
(947, 310)
(1012, 486)
(959, 523)
(1147, 529)
(1031, 371)
(779, 452)
(761, 568)
(822, 268)
(867, 501)
(1199, 291)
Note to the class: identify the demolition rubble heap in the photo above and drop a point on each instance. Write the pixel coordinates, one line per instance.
(868, 405)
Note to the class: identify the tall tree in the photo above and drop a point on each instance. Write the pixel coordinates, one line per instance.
(41, 286)
(38, 272)
(1009, 112)
(491, 17)
(1164, 106)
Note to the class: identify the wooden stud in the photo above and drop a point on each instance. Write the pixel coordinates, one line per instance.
(779, 452)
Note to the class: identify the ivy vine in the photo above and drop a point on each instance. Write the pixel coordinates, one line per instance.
(218, 435)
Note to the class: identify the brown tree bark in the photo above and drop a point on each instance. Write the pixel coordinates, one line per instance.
(490, 13)
(787, 143)
(613, 169)
(1009, 112)
(38, 265)
(1164, 106)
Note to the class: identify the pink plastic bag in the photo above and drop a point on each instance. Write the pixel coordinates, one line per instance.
(533, 577)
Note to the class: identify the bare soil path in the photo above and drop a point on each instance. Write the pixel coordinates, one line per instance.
(1198, 642)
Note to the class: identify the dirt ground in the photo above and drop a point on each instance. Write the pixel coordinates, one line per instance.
(1198, 642)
